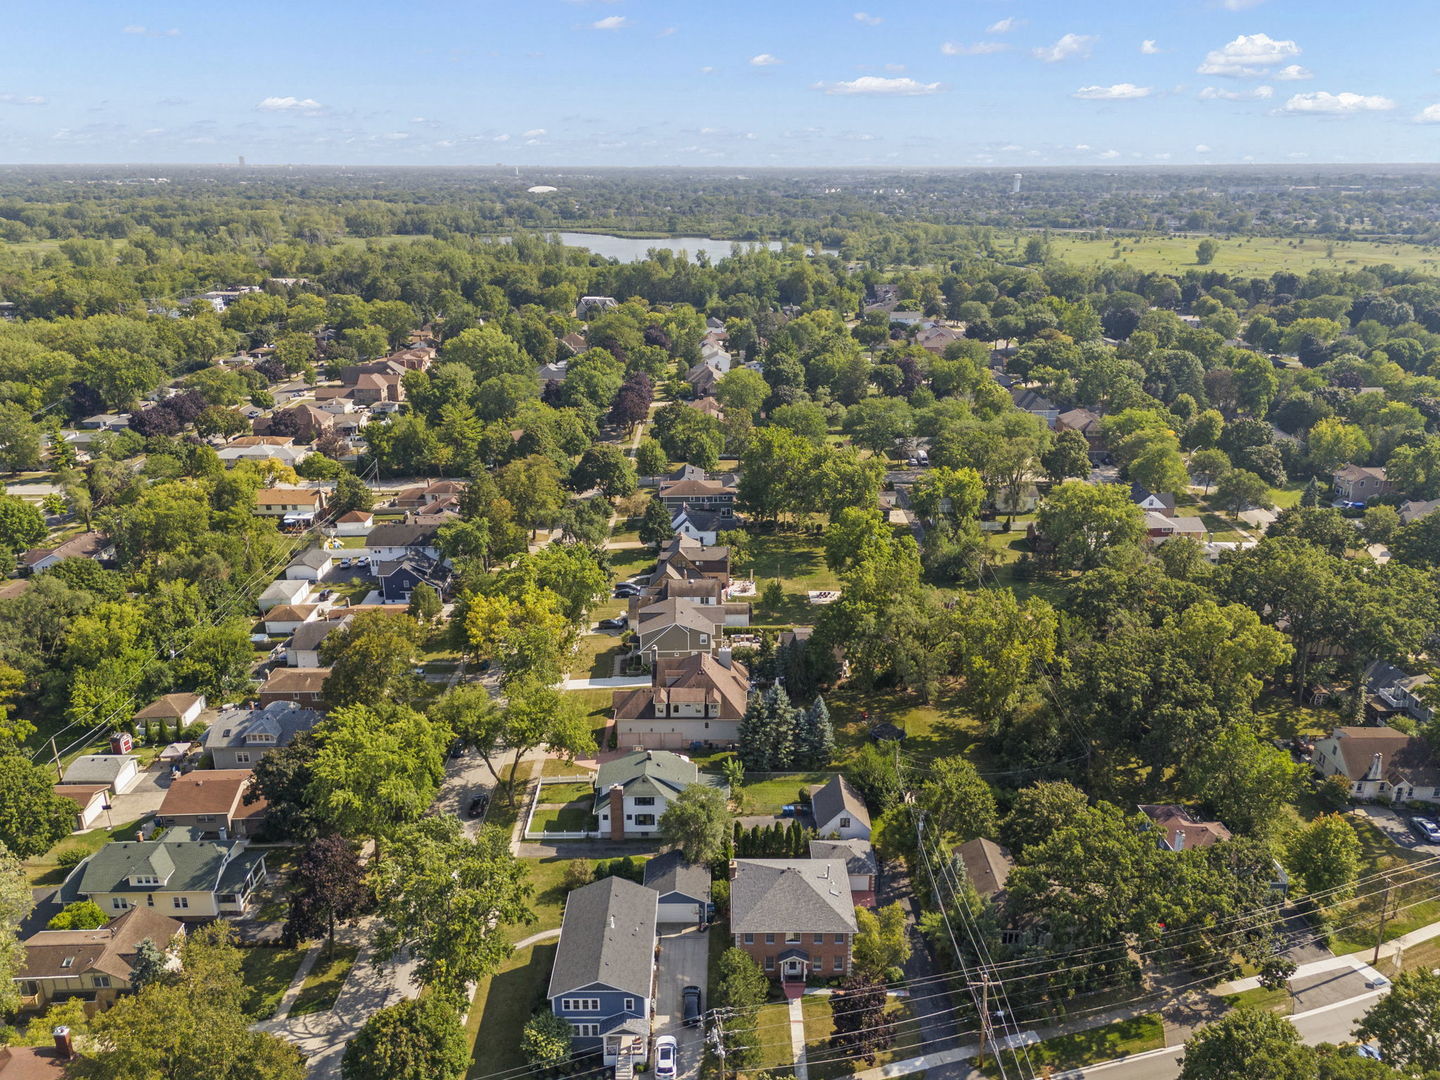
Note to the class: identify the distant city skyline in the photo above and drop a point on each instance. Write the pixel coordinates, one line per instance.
(1006, 83)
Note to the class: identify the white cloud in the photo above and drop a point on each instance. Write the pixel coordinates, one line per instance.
(1248, 56)
(1119, 92)
(501, 138)
(666, 32)
(707, 70)
(1068, 46)
(1083, 146)
(1004, 26)
(1293, 72)
(1239, 5)
(874, 84)
(1110, 154)
(1148, 47)
(1201, 148)
(1010, 148)
(765, 59)
(868, 19)
(21, 99)
(610, 22)
(290, 104)
(534, 133)
(1259, 93)
(980, 48)
(1322, 101)
(1428, 115)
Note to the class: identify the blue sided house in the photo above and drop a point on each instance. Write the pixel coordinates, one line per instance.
(605, 970)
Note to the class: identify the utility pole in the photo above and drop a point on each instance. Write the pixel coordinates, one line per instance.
(55, 754)
(1384, 918)
(985, 1032)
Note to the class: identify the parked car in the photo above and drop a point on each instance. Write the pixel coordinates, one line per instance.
(1427, 828)
(325, 594)
(618, 623)
(690, 1005)
(665, 1057)
(626, 589)
(478, 805)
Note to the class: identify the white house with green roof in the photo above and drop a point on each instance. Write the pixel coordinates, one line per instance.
(178, 874)
(632, 791)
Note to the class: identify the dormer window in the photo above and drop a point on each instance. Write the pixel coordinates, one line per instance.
(67, 961)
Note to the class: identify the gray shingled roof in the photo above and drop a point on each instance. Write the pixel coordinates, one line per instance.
(607, 938)
(646, 772)
(283, 719)
(859, 856)
(838, 797)
(669, 874)
(187, 863)
(806, 895)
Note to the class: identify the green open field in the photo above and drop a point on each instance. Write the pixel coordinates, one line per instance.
(1261, 255)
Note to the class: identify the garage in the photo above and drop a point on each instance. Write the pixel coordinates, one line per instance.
(683, 887)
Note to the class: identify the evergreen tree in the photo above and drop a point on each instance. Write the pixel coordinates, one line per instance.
(1311, 495)
(817, 736)
(782, 720)
(150, 963)
(754, 743)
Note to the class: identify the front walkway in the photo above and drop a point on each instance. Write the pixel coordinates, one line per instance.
(797, 1032)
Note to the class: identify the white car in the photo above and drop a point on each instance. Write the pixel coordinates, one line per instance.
(665, 1051)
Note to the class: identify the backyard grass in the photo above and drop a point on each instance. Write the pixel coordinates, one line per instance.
(625, 563)
(503, 1003)
(564, 793)
(798, 563)
(1081, 1048)
(1289, 495)
(940, 729)
(1280, 715)
(45, 869)
(573, 817)
(768, 794)
(595, 656)
(1237, 255)
(547, 901)
(322, 986)
(268, 971)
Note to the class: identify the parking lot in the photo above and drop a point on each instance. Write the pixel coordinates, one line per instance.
(684, 955)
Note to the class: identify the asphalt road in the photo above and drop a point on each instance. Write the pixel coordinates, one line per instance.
(684, 955)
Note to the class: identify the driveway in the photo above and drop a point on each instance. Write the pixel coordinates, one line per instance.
(684, 956)
(142, 799)
(1396, 826)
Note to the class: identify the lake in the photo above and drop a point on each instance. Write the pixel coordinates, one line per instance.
(627, 249)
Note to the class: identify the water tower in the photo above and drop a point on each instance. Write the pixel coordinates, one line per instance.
(1015, 183)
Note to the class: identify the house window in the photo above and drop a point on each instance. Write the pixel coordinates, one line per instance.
(817, 939)
(205, 818)
(67, 961)
(570, 1005)
(644, 819)
(586, 1031)
(181, 901)
(844, 823)
(1009, 937)
(119, 903)
(100, 982)
(769, 963)
(645, 800)
(769, 939)
(792, 937)
(704, 639)
(629, 1004)
(749, 939)
(839, 939)
(242, 758)
(839, 963)
(150, 899)
(815, 964)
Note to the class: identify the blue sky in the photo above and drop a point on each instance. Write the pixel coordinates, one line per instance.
(684, 82)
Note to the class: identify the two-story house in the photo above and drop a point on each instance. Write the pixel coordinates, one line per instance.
(1156, 502)
(241, 737)
(794, 917)
(1392, 690)
(180, 874)
(687, 558)
(288, 503)
(1035, 403)
(839, 811)
(702, 526)
(1177, 829)
(678, 627)
(393, 542)
(698, 490)
(1359, 483)
(1380, 763)
(604, 972)
(633, 790)
(304, 687)
(691, 699)
(212, 803)
(92, 965)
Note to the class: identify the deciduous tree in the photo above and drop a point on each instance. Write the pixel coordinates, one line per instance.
(412, 1040)
(697, 822)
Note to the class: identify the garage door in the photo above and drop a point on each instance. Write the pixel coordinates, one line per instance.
(676, 913)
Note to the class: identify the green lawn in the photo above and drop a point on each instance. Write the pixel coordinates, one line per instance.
(322, 985)
(574, 817)
(1081, 1048)
(595, 656)
(564, 793)
(547, 901)
(503, 1003)
(940, 729)
(1281, 715)
(627, 562)
(772, 1024)
(45, 869)
(1289, 495)
(766, 796)
(1278, 1001)
(798, 563)
(1261, 255)
(825, 1063)
(268, 971)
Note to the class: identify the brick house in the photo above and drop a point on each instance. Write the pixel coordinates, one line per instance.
(304, 686)
(794, 917)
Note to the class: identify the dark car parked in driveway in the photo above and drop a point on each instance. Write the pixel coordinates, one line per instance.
(478, 805)
(690, 1008)
(618, 623)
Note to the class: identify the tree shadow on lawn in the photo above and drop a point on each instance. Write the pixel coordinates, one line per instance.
(511, 999)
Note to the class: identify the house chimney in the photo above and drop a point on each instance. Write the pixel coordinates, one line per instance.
(612, 922)
(64, 1043)
(1374, 773)
(617, 813)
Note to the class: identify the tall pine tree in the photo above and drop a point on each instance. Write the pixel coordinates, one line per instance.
(782, 718)
(754, 735)
(817, 736)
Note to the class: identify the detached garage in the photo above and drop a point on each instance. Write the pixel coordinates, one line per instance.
(684, 889)
(118, 772)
